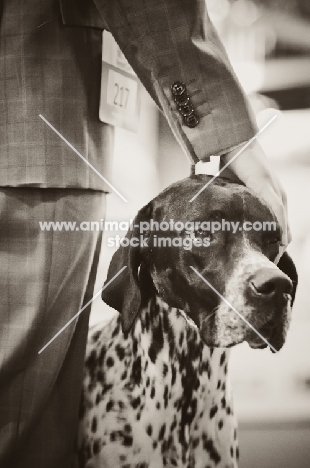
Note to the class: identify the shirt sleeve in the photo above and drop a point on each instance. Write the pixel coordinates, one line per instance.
(177, 54)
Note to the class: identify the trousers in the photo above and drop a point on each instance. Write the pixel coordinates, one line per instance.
(46, 276)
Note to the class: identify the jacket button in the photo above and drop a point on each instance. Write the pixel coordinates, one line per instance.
(191, 120)
(186, 110)
(178, 88)
(182, 99)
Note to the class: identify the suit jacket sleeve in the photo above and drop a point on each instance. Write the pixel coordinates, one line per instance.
(173, 42)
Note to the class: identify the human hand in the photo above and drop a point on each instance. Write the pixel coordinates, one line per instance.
(253, 169)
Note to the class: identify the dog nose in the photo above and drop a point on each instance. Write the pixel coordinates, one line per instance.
(268, 282)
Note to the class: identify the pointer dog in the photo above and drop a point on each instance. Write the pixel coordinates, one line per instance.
(155, 391)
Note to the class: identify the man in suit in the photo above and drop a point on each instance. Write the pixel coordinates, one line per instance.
(50, 64)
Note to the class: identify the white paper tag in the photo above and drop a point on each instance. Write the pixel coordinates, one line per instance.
(122, 92)
(120, 97)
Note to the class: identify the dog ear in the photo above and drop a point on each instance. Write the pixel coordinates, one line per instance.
(288, 267)
(125, 292)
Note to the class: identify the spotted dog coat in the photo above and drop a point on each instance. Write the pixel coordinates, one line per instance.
(157, 398)
(156, 392)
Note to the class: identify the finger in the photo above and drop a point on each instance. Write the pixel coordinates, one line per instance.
(280, 191)
(289, 234)
(288, 230)
(282, 194)
(275, 203)
(281, 252)
(259, 178)
(284, 198)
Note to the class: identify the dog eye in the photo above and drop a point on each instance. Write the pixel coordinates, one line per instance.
(273, 240)
(202, 233)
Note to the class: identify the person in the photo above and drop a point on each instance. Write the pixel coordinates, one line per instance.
(50, 52)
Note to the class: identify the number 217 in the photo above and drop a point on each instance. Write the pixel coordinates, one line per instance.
(121, 95)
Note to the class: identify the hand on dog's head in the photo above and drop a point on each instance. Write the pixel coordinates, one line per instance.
(238, 265)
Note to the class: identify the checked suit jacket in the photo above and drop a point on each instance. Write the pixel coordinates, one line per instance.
(50, 64)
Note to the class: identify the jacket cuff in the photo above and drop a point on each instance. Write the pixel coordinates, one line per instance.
(221, 121)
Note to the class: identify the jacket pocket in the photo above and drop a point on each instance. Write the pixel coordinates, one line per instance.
(81, 13)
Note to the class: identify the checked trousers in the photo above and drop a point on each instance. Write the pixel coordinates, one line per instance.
(46, 277)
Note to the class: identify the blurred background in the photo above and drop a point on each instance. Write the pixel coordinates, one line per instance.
(268, 42)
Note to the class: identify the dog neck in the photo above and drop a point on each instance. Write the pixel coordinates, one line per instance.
(166, 329)
(166, 334)
(174, 359)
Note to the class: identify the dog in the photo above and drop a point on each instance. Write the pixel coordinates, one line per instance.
(156, 392)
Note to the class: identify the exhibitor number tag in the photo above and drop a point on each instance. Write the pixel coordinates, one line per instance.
(120, 98)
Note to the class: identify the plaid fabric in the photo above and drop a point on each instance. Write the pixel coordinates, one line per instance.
(54, 70)
(173, 40)
(45, 278)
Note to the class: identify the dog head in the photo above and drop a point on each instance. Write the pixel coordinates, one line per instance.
(224, 280)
